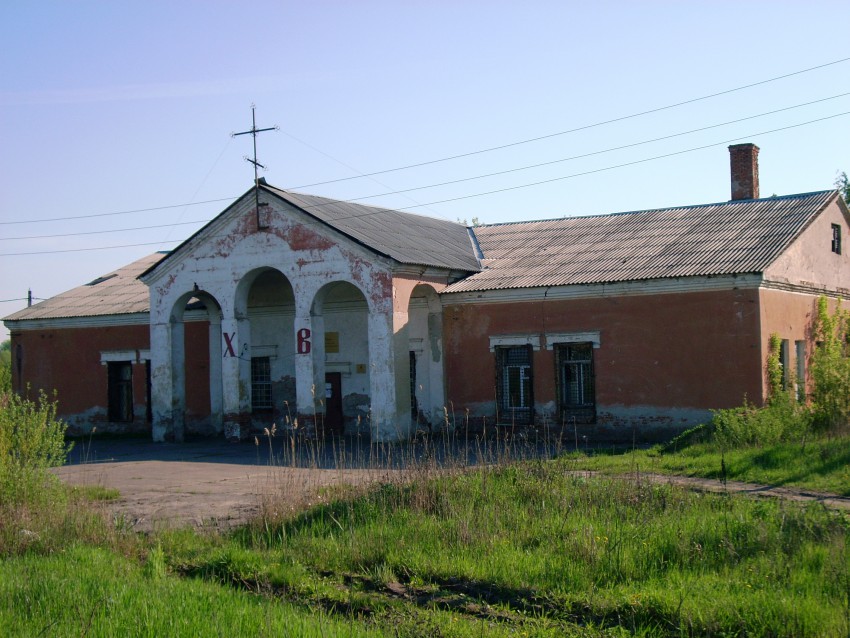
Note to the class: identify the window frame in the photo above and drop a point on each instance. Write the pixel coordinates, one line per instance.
(119, 391)
(583, 411)
(262, 397)
(836, 239)
(523, 365)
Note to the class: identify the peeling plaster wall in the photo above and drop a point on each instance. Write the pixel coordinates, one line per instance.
(350, 322)
(310, 256)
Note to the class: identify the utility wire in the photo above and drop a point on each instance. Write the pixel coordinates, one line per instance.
(574, 130)
(464, 179)
(453, 199)
(21, 299)
(121, 212)
(444, 159)
(81, 250)
(641, 161)
(592, 153)
(100, 232)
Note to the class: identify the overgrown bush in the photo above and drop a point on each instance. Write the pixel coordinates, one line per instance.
(781, 420)
(830, 369)
(32, 439)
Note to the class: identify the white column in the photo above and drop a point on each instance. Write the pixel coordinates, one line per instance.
(178, 380)
(318, 347)
(401, 356)
(234, 348)
(433, 354)
(304, 369)
(216, 398)
(161, 382)
(382, 382)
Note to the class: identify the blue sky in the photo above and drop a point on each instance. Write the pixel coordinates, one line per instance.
(118, 106)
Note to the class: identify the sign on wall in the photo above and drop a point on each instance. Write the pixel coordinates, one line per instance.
(303, 345)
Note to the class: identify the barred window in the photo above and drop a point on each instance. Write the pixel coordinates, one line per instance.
(261, 383)
(576, 382)
(514, 384)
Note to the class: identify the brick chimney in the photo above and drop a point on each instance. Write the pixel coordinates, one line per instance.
(744, 162)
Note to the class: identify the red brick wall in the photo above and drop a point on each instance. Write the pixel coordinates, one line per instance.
(699, 350)
(67, 360)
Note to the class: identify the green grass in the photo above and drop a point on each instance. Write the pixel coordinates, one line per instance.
(821, 465)
(509, 549)
(533, 548)
(87, 591)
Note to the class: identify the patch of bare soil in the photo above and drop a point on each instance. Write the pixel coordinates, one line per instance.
(800, 495)
(168, 494)
(158, 494)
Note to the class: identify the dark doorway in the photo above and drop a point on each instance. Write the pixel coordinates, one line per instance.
(120, 378)
(333, 403)
(148, 393)
(414, 404)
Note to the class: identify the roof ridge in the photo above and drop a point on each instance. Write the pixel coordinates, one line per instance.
(660, 209)
(353, 203)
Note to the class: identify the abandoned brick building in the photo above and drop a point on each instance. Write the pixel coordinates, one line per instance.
(349, 318)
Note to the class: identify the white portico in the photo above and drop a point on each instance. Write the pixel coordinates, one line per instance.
(315, 313)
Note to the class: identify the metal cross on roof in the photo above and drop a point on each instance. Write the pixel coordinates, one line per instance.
(253, 133)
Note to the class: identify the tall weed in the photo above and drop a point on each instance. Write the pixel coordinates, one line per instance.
(33, 503)
(830, 369)
(32, 439)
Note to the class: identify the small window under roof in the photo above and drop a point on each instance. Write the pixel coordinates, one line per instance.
(100, 280)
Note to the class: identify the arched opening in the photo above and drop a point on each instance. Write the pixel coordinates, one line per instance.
(265, 312)
(196, 390)
(425, 334)
(341, 372)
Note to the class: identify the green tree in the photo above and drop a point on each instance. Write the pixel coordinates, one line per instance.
(5, 366)
(830, 368)
(842, 183)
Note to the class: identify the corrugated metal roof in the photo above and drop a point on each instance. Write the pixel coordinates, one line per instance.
(712, 239)
(116, 293)
(405, 237)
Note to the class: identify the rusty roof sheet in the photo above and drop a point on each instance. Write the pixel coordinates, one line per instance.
(116, 293)
(712, 239)
(405, 237)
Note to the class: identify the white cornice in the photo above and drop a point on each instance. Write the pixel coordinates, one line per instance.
(619, 289)
(100, 321)
(806, 288)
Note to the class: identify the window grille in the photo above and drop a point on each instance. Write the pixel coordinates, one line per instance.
(514, 385)
(261, 383)
(576, 382)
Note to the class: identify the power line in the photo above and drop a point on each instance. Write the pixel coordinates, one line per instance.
(81, 250)
(452, 157)
(21, 299)
(122, 212)
(641, 161)
(500, 190)
(450, 182)
(100, 232)
(592, 153)
(574, 130)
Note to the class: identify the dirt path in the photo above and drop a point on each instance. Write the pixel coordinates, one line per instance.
(800, 495)
(158, 494)
(212, 484)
